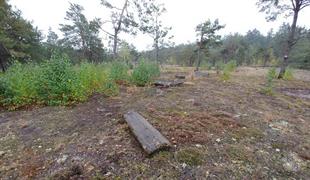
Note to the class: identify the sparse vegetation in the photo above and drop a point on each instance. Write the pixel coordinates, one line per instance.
(54, 82)
(228, 69)
(144, 73)
(271, 75)
(119, 72)
(190, 156)
(67, 100)
(289, 74)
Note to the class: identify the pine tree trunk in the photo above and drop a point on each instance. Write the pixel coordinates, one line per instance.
(157, 52)
(198, 61)
(289, 45)
(118, 29)
(115, 42)
(2, 66)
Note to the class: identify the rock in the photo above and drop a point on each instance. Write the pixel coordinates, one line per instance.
(198, 145)
(201, 74)
(292, 163)
(2, 153)
(108, 114)
(159, 92)
(101, 110)
(62, 159)
(279, 126)
(189, 83)
(48, 150)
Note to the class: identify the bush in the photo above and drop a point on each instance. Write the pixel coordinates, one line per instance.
(54, 82)
(288, 75)
(18, 85)
(271, 75)
(228, 69)
(58, 83)
(119, 72)
(144, 73)
(231, 66)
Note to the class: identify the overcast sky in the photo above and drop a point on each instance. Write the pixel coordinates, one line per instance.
(182, 15)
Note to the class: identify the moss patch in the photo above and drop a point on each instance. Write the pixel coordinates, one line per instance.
(190, 156)
(248, 133)
(239, 153)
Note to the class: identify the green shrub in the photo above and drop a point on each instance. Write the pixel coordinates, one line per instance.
(92, 77)
(271, 75)
(54, 82)
(288, 75)
(110, 88)
(228, 69)
(144, 73)
(119, 72)
(231, 66)
(226, 75)
(18, 85)
(58, 83)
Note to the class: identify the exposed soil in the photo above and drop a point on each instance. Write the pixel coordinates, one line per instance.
(301, 93)
(220, 130)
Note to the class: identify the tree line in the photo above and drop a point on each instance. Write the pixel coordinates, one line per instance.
(253, 48)
(20, 40)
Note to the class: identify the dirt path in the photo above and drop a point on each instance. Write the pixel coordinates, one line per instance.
(219, 131)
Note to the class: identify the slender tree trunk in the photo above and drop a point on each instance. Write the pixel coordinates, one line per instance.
(2, 65)
(266, 58)
(157, 52)
(290, 44)
(199, 49)
(115, 43)
(118, 29)
(198, 60)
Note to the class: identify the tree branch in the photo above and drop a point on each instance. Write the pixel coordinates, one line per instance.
(305, 5)
(293, 4)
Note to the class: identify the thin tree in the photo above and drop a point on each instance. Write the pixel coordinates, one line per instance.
(206, 33)
(122, 20)
(153, 26)
(79, 33)
(274, 8)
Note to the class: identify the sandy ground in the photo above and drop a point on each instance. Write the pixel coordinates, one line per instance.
(219, 130)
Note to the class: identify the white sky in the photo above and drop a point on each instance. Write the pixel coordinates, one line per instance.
(182, 15)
